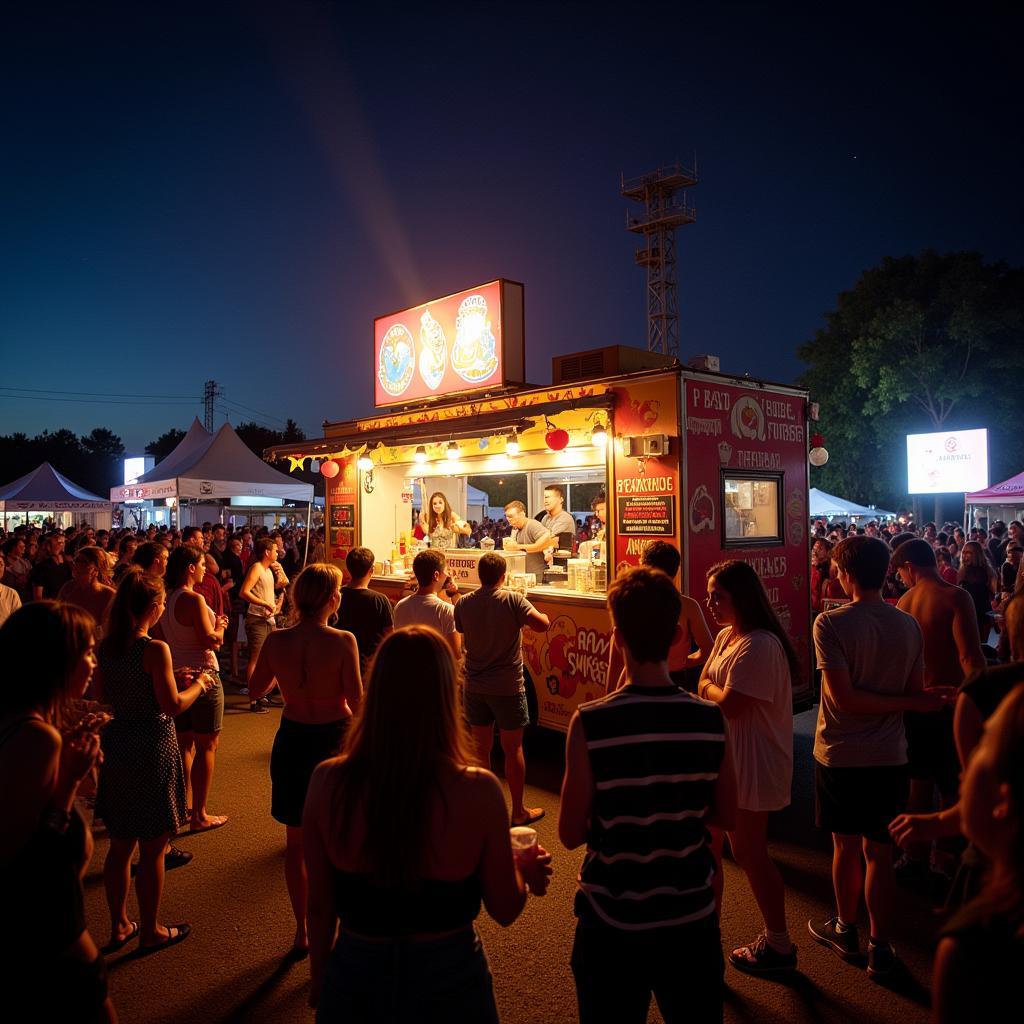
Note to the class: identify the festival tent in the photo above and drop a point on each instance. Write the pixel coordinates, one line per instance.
(1009, 492)
(47, 491)
(217, 466)
(824, 504)
(1005, 500)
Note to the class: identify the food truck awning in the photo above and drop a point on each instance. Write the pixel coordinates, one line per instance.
(399, 431)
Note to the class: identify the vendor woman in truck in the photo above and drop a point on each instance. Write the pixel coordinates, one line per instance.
(440, 523)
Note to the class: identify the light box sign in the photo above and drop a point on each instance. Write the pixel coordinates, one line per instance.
(470, 341)
(951, 461)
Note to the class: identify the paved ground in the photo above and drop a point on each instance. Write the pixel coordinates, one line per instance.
(231, 969)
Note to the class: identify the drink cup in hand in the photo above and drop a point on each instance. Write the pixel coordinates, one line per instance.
(524, 843)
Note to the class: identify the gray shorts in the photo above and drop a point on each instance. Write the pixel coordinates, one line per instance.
(510, 711)
(256, 631)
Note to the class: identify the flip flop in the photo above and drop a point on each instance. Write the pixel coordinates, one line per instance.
(115, 944)
(530, 818)
(217, 823)
(175, 933)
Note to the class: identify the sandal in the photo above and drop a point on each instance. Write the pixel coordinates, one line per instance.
(115, 944)
(175, 933)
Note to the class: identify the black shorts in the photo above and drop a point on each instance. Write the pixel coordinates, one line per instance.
(931, 749)
(860, 801)
(298, 749)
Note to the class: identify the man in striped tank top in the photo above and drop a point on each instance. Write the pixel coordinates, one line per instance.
(648, 768)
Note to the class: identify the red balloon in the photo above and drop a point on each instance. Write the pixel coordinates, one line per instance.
(556, 439)
(330, 469)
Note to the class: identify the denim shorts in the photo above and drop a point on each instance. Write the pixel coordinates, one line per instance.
(206, 713)
(510, 711)
(396, 981)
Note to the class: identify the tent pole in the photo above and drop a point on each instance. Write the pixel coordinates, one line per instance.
(309, 526)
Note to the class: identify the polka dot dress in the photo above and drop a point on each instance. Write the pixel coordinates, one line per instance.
(142, 784)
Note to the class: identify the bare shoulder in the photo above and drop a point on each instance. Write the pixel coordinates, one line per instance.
(154, 652)
(691, 607)
(33, 735)
(477, 787)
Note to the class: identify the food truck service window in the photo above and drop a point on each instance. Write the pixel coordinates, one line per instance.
(752, 506)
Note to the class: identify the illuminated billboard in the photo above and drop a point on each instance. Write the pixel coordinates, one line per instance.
(470, 341)
(947, 462)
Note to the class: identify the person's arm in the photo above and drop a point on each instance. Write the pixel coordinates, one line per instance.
(201, 615)
(615, 675)
(156, 660)
(852, 701)
(33, 752)
(750, 663)
(733, 703)
(246, 593)
(533, 547)
(577, 800)
(968, 725)
(953, 983)
(537, 621)
(699, 631)
(966, 635)
(908, 829)
(351, 678)
(322, 917)
(722, 812)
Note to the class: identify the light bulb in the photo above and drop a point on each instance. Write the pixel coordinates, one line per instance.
(420, 455)
(599, 436)
(453, 451)
(512, 444)
(364, 462)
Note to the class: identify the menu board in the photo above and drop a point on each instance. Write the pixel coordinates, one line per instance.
(650, 515)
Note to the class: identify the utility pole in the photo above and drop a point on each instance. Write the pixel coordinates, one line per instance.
(210, 394)
(664, 211)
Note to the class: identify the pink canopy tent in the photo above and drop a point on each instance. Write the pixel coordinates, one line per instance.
(1007, 497)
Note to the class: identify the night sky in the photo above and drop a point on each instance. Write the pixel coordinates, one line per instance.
(234, 191)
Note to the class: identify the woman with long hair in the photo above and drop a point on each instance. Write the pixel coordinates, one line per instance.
(979, 579)
(404, 838)
(440, 523)
(193, 634)
(750, 676)
(151, 557)
(86, 588)
(979, 953)
(48, 651)
(317, 668)
(821, 561)
(141, 796)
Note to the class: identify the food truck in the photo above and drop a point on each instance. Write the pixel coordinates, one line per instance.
(713, 463)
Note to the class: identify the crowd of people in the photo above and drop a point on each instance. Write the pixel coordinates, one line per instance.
(397, 834)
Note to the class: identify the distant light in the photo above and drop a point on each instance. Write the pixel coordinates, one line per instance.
(512, 444)
(599, 435)
(420, 455)
(453, 451)
(365, 463)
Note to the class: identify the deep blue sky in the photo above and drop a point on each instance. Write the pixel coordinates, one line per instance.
(233, 192)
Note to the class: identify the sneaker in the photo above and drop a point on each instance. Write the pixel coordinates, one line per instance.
(760, 958)
(842, 942)
(244, 690)
(176, 858)
(882, 960)
(259, 708)
(272, 700)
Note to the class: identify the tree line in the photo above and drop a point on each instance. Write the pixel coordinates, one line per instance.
(94, 460)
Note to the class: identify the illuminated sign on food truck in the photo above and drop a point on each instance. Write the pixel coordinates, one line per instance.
(469, 341)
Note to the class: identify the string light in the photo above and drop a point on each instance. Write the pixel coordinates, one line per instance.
(512, 444)
(420, 455)
(599, 435)
(453, 451)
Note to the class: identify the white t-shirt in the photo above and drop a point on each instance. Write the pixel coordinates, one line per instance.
(425, 610)
(762, 737)
(10, 602)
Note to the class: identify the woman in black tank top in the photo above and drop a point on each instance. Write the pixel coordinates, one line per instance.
(47, 650)
(404, 838)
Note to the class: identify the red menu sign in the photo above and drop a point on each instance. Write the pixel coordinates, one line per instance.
(470, 341)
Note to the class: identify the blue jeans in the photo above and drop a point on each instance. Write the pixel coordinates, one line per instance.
(399, 981)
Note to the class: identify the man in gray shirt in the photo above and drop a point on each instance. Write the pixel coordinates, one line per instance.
(491, 621)
(871, 657)
(555, 519)
(529, 536)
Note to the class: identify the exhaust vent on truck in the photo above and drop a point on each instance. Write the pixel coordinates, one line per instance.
(605, 362)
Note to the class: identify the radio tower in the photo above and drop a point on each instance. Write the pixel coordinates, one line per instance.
(210, 394)
(664, 211)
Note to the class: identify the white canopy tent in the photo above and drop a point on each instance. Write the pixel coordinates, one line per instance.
(824, 504)
(47, 491)
(208, 467)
